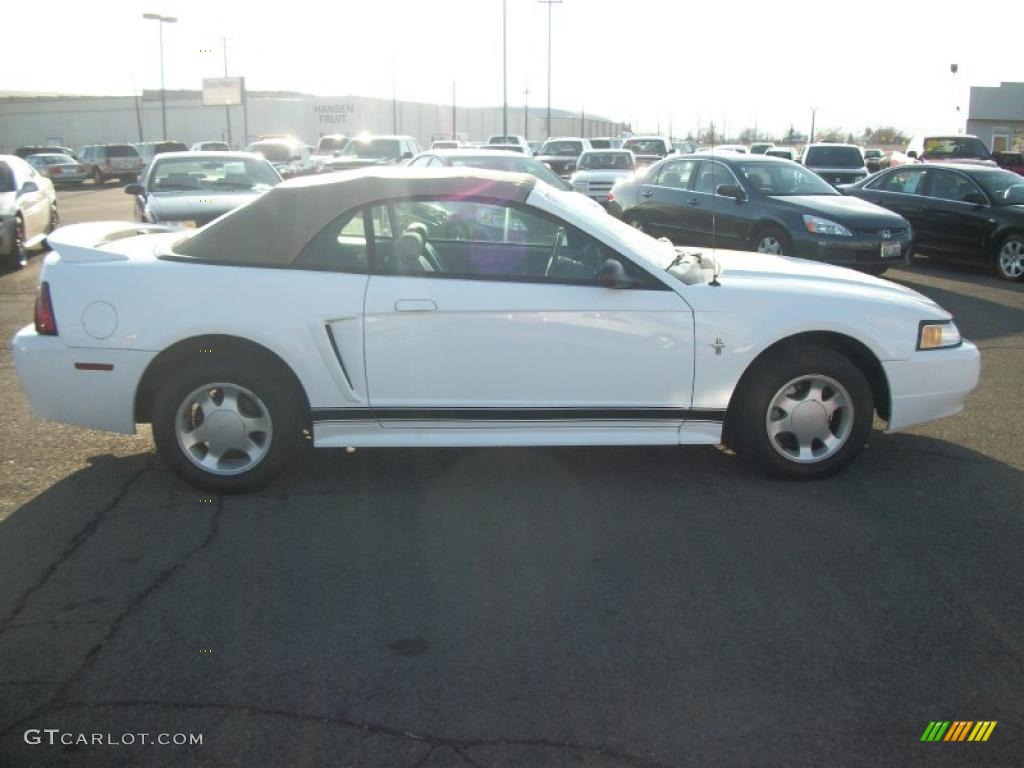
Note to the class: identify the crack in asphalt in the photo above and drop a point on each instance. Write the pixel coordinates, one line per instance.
(80, 537)
(458, 745)
(56, 701)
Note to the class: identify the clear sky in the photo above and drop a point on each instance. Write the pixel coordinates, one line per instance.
(646, 61)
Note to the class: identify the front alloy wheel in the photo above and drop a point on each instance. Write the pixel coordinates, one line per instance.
(1010, 260)
(809, 419)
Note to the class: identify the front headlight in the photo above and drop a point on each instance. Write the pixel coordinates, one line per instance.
(938, 335)
(819, 226)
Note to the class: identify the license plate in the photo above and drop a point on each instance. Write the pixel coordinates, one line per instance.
(891, 250)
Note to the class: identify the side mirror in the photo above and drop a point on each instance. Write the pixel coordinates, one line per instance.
(135, 189)
(28, 187)
(613, 275)
(731, 190)
(976, 198)
(337, 153)
(570, 167)
(407, 155)
(912, 153)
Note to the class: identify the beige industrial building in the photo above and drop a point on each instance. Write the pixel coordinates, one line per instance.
(74, 121)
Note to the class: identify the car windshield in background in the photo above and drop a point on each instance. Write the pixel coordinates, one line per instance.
(605, 161)
(1004, 187)
(215, 146)
(377, 149)
(274, 151)
(173, 175)
(784, 180)
(955, 146)
(513, 164)
(565, 148)
(169, 146)
(327, 144)
(645, 147)
(834, 157)
(121, 150)
(53, 159)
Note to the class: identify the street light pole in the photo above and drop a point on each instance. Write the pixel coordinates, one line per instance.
(549, 3)
(163, 93)
(526, 111)
(814, 114)
(227, 109)
(504, 70)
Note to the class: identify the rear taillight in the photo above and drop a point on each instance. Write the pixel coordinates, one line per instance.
(46, 321)
(611, 195)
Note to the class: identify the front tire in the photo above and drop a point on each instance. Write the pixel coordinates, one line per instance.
(774, 241)
(802, 413)
(227, 426)
(1010, 258)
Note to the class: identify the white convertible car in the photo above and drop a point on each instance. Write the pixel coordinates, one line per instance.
(454, 307)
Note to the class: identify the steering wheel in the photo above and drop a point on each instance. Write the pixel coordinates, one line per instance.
(553, 257)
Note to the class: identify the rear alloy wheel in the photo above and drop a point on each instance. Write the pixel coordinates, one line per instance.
(773, 241)
(226, 427)
(803, 413)
(1010, 259)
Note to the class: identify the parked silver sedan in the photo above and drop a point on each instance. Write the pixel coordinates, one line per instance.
(28, 210)
(60, 169)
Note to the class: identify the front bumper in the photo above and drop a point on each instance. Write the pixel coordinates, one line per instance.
(58, 391)
(855, 251)
(930, 385)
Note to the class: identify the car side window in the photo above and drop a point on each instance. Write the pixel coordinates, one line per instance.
(676, 175)
(908, 181)
(342, 245)
(480, 239)
(712, 175)
(950, 185)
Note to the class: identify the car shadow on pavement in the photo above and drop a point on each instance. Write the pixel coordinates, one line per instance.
(602, 606)
(978, 319)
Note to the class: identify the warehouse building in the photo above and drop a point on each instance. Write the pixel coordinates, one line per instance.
(75, 121)
(996, 116)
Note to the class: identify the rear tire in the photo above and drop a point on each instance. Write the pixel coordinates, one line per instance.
(802, 413)
(1009, 261)
(18, 255)
(226, 426)
(876, 270)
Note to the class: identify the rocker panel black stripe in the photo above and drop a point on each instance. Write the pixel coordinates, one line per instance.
(518, 414)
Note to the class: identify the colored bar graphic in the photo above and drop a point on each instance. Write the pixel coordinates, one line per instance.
(958, 730)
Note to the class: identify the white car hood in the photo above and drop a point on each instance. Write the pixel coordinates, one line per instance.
(790, 276)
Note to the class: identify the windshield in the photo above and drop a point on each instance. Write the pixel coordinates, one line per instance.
(872, 153)
(513, 164)
(1004, 187)
(274, 151)
(645, 146)
(606, 161)
(206, 174)
(955, 146)
(783, 179)
(331, 144)
(562, 148)
(834, 157)
(51, 159)
(377, 149)
(214, 146)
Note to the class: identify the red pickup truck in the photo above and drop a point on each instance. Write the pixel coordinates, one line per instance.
(1010, 161)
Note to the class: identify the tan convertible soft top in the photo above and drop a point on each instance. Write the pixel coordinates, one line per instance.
(272, 229)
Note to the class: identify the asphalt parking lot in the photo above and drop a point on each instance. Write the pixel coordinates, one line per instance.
(545, 607)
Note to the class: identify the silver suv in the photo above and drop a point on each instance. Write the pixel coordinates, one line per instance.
(110, 161)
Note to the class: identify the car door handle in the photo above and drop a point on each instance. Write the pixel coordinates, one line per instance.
(648, 193)
(693, 201)
(415, 305)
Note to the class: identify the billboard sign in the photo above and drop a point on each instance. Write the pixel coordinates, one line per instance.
(222, 91)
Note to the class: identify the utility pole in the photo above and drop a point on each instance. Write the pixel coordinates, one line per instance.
(814, 114)
(394, 98)
(549, 3)
(227, 109)
(583, 112)
(163, 93)
(504, 69)
(526, 111)
(453, 110)
(953, 69)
